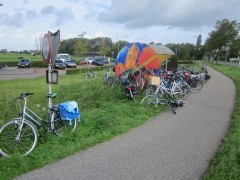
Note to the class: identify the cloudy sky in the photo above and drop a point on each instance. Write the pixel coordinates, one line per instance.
(164, 21)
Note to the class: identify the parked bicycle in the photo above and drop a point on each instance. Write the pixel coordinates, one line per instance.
(19, 136)
(178, 90)
(90, 74)
(173, 104)
(108, 77)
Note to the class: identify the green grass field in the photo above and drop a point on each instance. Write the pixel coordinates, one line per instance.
(13, 57)
(105, 113)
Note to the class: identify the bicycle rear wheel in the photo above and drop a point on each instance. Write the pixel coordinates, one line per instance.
(62, 127)
(109, 80)
(14, 140)
(150, 100)
(195, 86)
(140, 83)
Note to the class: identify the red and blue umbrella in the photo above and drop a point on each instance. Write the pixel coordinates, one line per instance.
(137, 55)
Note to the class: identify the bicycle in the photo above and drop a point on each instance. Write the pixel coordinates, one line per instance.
(19, 136)
(108, 78)
(90, 74)
(3, 66)
(172, 103)
(137, 80)
(155, 93)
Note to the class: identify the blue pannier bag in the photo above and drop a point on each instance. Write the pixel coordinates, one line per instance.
(69, 111)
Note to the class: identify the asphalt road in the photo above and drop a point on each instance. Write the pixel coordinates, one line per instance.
(31, 73)
(167, 147)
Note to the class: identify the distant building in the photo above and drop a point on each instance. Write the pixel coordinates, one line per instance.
(4, 51)
(34, 52)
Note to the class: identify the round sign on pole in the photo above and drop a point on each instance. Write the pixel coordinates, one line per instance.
(46, 48)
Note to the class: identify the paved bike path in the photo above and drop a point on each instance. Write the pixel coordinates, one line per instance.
(167, 147)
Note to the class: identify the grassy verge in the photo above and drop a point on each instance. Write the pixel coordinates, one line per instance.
(105, 113)
(226, 163)
(14, 57)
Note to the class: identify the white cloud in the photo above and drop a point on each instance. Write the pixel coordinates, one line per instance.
(165, 21)
(180, 14)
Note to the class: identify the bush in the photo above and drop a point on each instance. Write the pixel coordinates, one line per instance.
(39, 64)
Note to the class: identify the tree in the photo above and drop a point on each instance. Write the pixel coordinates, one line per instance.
(38, 43)
(198, 53)
(223, 38)
(199, 42)
(80, 46)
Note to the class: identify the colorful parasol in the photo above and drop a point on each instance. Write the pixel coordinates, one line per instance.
(137, 55)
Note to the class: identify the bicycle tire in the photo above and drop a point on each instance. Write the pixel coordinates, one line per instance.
(141, 83)
(195, 86)
(61, 127)
(9, 142)
(109, 80)
(116, 82)
(150, 100)
(132, 95)
(150, 90)
(185, 89)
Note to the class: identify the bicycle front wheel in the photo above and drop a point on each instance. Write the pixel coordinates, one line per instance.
(62, 127)
(17, 140)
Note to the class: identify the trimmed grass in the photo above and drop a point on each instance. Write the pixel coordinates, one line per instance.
(14, 57)
(226, 163)
(105, 113)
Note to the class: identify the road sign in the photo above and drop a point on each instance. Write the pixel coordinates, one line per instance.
(46, 48)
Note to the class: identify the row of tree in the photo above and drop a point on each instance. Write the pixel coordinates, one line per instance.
(223, 42)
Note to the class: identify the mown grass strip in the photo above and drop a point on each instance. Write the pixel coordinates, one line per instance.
(226, 163)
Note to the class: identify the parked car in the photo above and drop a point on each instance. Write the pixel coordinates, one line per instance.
(83, 62)
(59, 64)
(106, 60)
(64, 57)
(70, 63)
(89, 60)
(25, 63)
(98, 62)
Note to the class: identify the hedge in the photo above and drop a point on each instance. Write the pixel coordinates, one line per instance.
(82, 70)
(34, 64)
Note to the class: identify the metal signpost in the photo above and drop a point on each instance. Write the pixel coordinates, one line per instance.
(47, 53)
(50, 45)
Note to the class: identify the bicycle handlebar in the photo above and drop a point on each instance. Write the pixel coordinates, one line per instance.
(25, 95)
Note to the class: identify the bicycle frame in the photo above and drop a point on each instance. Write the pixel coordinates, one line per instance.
(31, 115)
(27, 112)
(90, 74)
(169, 91)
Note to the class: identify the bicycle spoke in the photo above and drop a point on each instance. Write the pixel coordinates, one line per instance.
(11, 142)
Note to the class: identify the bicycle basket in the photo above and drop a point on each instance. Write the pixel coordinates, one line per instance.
(154, 80)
